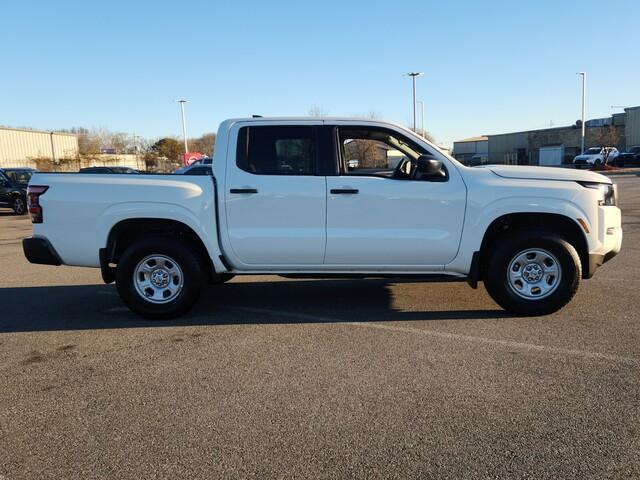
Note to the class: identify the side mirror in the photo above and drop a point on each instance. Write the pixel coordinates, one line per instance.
(428, 167)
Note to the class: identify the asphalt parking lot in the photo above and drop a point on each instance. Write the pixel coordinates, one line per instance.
(271, 377)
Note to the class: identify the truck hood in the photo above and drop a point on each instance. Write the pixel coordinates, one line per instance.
(546, 173)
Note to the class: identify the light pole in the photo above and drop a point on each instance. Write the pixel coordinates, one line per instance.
(584, 93)
(421, 117)
(413, 76)
(184, 125)
(135, 149)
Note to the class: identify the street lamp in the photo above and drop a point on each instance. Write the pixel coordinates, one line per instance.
(135, 148)
(413, 76)
(184, 125)
(584, 92)
(422, 116)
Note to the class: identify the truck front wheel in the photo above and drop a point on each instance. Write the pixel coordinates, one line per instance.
(532, 272)
(159, 278)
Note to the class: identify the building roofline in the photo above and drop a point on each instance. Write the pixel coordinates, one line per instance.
(482, 138)
(33, 130)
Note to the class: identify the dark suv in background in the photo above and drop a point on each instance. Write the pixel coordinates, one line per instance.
(13, 188)
(628, 158)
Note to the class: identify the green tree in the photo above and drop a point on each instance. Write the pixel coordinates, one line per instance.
(168, 147)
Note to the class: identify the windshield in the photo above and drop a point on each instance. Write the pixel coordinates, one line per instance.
(593, 151)
(20, 176)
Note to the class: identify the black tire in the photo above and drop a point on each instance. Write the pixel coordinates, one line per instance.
(19, 205)
(505, 250)
(192, 278)
(597, 163)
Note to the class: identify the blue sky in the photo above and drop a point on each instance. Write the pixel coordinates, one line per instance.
(491, 67)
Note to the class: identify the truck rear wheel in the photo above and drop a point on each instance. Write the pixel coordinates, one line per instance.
(159, 278)
(532, 273)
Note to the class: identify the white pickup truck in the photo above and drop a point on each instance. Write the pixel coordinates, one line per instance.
(323, 198)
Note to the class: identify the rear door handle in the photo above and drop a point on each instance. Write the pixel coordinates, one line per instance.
(344, 191)
(243, 190)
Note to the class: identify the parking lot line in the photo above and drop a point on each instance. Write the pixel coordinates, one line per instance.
(527, 347)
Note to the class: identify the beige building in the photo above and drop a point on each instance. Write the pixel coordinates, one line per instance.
(471, 151)
(20, 147)
(632, 126)
(557, 145)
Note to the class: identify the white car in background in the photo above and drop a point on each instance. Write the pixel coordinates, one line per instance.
(596, 156)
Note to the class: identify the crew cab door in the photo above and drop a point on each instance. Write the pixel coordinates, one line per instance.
(380, 214)
(275, 199)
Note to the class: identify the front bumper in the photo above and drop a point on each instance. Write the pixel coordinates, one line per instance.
(597, 260)
(39, 250)
(609, 239)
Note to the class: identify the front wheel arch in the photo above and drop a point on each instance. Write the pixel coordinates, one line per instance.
(561, 225)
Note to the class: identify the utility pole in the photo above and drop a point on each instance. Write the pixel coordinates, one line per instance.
(422, 117)
(135, 149)
(184, 125)
(53, 149)
(584, 93)
(413, 76)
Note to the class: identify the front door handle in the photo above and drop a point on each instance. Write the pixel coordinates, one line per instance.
(243, 190)
(344, 191)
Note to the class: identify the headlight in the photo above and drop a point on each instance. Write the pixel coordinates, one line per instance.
(608, 192)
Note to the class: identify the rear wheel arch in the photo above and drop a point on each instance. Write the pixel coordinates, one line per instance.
(559, 224)
(126, 232)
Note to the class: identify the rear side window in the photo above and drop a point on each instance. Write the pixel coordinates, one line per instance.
(281, 150)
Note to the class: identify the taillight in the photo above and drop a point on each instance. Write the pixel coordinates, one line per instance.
(33, 201)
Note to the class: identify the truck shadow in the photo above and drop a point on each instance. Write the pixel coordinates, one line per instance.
(84, 307)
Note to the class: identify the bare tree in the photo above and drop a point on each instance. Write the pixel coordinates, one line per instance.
(608, 136)
(426, 135)
(203, 144)
(369, 153)
(120, 142)
(317, 111)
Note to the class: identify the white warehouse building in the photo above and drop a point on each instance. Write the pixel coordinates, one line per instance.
(19, 147)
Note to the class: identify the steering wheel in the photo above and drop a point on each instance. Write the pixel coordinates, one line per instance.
(399, 171)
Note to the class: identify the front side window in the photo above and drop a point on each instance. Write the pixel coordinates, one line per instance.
(378, 152)
(278, 150)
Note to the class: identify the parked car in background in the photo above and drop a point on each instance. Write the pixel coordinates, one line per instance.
(107, 170)
(195, 169)
(596, 156)
(200, 161)
(13, 188)
(628, 158)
